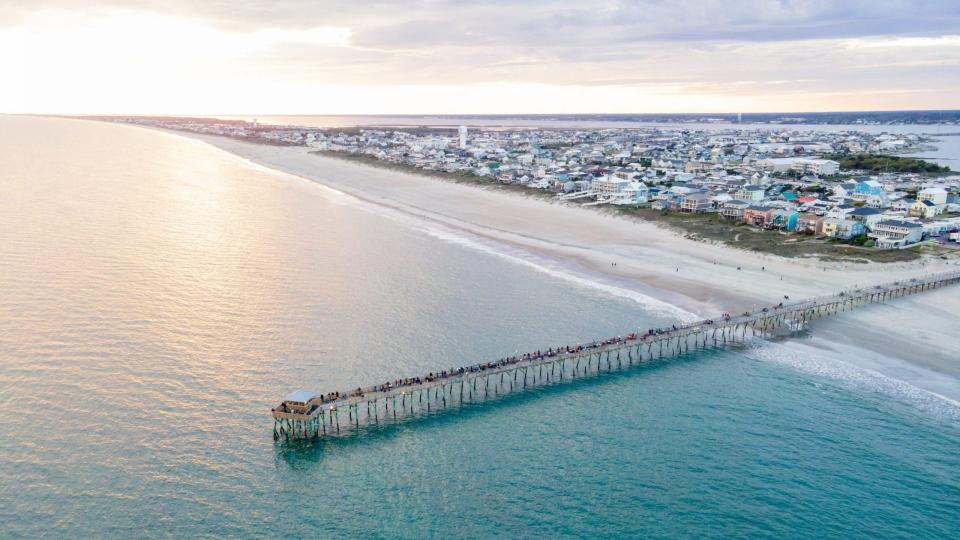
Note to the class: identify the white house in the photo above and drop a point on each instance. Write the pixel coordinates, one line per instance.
(936, 195)
(751, 193)
(635, 193)
(609, 185)
(893, 233)
(841, 211)
(818, 167)
(845, 190)
(539, 183)
(878, 201)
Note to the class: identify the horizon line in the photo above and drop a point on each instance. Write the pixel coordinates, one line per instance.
(463, 114)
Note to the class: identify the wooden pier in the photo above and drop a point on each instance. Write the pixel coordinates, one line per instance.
(304, 415)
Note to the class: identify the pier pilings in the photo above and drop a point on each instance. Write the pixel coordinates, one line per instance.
(457, 387)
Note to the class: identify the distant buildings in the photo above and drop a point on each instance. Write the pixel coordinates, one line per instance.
(819, 167)
(771, 179)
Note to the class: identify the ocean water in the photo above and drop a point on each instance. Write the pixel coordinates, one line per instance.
(947, 153)
(158, 296)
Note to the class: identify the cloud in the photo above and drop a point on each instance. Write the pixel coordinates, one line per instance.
(751, 50)
(452, 22)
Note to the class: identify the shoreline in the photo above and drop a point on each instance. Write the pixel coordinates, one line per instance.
(623, 254)
(393, 189)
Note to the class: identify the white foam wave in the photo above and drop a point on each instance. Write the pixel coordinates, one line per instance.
(529, 260)
(519, 257)
(831, 366)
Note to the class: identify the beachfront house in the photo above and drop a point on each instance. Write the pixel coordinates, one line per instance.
(607, 186)
(694, 203)
(635, 193)
(661, 204)
(784, 219)
(733, 209)
(894, 233)
(758, 216)
(539, 183)
(809, 223)
(844, 229)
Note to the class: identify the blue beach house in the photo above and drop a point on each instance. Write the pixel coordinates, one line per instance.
(785, 219)
(866, 189)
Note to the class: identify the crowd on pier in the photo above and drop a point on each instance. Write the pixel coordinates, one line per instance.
(515, 359)
(537, 355)
(652, 333)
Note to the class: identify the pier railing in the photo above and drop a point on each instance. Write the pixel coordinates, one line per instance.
(320, 415)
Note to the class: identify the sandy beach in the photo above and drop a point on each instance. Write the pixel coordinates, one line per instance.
(911, 339)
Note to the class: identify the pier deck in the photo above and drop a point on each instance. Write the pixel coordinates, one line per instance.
(306, 415)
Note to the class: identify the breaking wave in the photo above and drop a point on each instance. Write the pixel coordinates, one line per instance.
(830, 366)
(527, 259)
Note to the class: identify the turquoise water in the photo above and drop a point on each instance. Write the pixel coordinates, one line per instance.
(159, 296)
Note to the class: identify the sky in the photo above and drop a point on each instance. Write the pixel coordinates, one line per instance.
(477, 57)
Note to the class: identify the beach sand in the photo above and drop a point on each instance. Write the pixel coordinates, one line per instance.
(915, 335)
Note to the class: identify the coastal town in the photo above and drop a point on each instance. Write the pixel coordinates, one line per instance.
(841, 186)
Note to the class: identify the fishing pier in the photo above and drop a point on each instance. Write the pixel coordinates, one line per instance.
(304, 414)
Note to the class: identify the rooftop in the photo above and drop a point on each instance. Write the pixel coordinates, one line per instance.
(300, 396)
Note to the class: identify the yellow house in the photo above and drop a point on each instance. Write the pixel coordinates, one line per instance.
(924, 209)
(828, 227)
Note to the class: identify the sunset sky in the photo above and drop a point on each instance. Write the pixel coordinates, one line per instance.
(447, 56)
